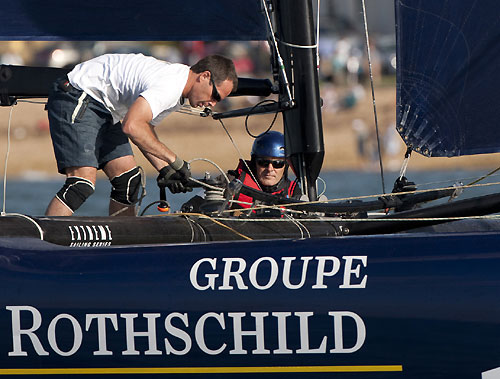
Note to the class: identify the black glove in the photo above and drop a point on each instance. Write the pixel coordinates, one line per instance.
(177, 180)
(184, 172)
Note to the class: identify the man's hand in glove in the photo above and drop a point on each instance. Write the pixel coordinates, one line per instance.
(175, 176)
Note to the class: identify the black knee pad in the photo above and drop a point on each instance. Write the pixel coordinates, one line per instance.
(126, 187)
(75, 191)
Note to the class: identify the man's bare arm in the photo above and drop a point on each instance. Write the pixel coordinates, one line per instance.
(136, 125)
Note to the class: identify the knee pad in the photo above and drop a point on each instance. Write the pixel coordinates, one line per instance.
(126, 187)
(75, 191)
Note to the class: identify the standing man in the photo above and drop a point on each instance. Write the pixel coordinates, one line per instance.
(104, 102)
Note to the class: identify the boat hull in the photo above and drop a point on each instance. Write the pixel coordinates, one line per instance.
(420, 305)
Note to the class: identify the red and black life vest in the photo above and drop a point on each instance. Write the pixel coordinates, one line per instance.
(286, 188)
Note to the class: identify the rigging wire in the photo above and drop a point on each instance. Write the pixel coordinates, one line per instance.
(317, 37)
(6, 161)
(484, 176)
(7, 153)
(277, 206)
(475, 180)
(373, 95)
(32, 102)
(281, 64)
(451, 218)
(240, 154)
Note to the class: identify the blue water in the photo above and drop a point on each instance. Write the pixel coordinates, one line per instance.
(32, 197)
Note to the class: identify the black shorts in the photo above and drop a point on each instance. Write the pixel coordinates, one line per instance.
(82, 129)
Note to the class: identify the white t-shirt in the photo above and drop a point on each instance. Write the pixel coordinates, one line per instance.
(117, 80)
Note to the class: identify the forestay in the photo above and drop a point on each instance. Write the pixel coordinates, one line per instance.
(448, 76)
(132, 20)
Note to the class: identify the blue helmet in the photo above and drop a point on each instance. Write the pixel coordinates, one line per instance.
(270, 144)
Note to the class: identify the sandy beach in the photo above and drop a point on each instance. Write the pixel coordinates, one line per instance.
(196, 137)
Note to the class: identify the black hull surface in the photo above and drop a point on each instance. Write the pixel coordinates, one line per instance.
(192, 228)
(108, 231)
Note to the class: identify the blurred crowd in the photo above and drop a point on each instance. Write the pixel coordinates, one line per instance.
(251, 58)
(343, 58)
(343, 62)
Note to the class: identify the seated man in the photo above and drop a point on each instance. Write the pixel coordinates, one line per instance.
(269, 170)
(266, 171)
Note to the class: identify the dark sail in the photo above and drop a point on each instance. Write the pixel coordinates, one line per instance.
(448, 78)
(127, 20)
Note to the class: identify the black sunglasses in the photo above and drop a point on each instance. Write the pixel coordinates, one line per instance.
(267, 162)
(215, 93)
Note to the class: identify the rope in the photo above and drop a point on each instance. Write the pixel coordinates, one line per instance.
(259, 219)
(211, 219)
(373, 96)
(337, 219)
(202, 230)
(300, 226)
(298, 46)
(189, 221)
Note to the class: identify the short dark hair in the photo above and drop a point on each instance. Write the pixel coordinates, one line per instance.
(222, 68)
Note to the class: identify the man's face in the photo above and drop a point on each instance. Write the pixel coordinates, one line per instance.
(270, 170)
(206, 94)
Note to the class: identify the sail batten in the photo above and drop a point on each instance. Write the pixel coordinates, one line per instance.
(448, 76)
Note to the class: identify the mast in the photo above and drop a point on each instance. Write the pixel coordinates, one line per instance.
(302, 124)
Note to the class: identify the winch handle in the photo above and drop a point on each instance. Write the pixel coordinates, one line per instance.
(193, 183)
(163, 206)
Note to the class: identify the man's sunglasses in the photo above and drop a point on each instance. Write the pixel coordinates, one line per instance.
(267, 162)
(215, 93)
